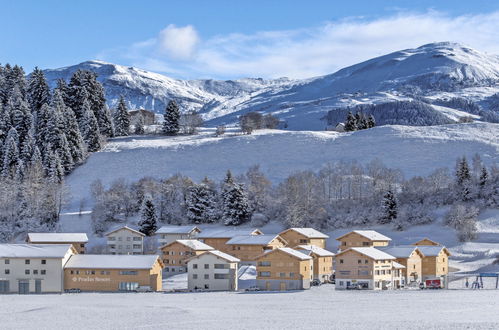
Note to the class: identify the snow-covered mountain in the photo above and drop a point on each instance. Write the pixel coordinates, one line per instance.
(430, 72)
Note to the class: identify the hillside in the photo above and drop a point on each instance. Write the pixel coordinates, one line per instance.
(438, 70)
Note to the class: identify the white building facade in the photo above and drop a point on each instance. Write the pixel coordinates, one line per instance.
(168, 234)
(125, 240)
(33, 268)
(213, 271)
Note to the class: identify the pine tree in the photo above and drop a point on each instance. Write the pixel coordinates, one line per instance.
(10, 154)
(90, 128)
(463, 179)
(139, 126)
(121, 119)
(389, 208)
(53, 167)
(28, 146)
(38, 90)
(148, 220)
(201, 204)
(236, 208)
(351, 123)
(171, 124)
(371, 122)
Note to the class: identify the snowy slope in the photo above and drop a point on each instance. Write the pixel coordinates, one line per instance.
(435, 70)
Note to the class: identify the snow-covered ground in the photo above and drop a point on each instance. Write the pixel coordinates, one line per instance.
(317, 308)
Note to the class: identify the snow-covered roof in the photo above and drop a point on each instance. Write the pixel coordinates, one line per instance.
(57, 237)
(34, 250)
(290, 251)
(370, 252)
(432, 242)
(104, 261)
(399, 251)
(176, 229)
(369, 234)
(219, 254)
(431, 250)
(229, 233)
(316, 250)
(396, 265)
(115, 229)
(193, 244)
(252, 239)
(308, 232)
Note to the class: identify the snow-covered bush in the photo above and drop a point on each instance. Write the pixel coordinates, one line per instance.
(463, 219)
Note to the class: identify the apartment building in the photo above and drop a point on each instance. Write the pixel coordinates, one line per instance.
(112, 273)
(168, 234)
(435, 263)
(322, 261)
(174, 255)
(304, 236)
(218, 238)
(362, 238)
(248, 247)
(33, 268)
(125, 240)
(411, 258)
(284, 269)
(212, 271)
(367, 268)
(78, 240)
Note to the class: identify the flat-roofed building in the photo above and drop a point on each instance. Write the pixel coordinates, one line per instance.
(168, 234)
(78, 240)
(411, 258)
(218, 238)
(435, 263)
(362, 238)
(125, 240)
(213, 271)
(111, 273)
(174, 255)
(322, 261)
(33, 268)
(304, 236)
(426, 241)
(367, 268)
(248, 247)
(284, 269)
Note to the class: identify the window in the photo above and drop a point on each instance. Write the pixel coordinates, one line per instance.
(264, 263)
(304, 241)
(194, 276)
(7, 261)
(128, 238)
(128, 286)
(344, 243)
(366, 261)
(206, 276)
(35, 271)
(206, 266)
(383, 272)
(291, 274)
(194, 266)
(365, 244)
(137, 239)
(82, 245)
(128, 247)
(120, 238)
(264, 274)
(388, 271)
(221, 266)
(112, 246)
(128, 272)
(166, 261)
(44, 262)
(111, 238)
(359, 261)
(105, 272)
(282, 274)
(377, 272)
(443, 269)
(413, 266)
(26, 272)
(136, 246)
(90, 272)
(26, 262)
(221, 276)
(341, 261)
(7, 271)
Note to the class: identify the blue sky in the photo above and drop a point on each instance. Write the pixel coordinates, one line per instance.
(230, 39)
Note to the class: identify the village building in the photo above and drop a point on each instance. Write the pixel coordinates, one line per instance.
(218, 238)
(112, 273)
(367, 268)
(168, 234)
(426, 241)
(147, 116)
(304, 236)
(435, 263)
(248, 247)
(125, 240)
(213, 271)
(322, 261)
(362, 238)
(78, 240)
(175, 254)
(33, 268)
(284, 269)
(411, 258)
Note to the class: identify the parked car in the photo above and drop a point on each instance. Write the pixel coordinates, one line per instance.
(253, 288)
(332, 279)
(144, 288)
(72, 290)
(315, 282)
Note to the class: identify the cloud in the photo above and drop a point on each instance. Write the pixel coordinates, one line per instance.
(304, 52)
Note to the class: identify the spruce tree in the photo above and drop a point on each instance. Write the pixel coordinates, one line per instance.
(121, 119)
(171, 123)
(351, 123)
(463, 179)
(236, 208)
(371, 122)
(148, 220)
(389, 208)
(139, 126)
(90, 128)
(10, 154)
(38, 90)
(200, 204)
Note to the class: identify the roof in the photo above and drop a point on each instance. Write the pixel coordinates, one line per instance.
(123, 227)
(396, 265)
(308, 232)
(252, 239)
(432, 242)
(294, 253)
(34, 250)
(316, 250)
(103, 261)
(176, 229)
(192, 244)
(229, 233)
(369, 234)
(399, 251)
(370, 252)
(219, 254)
(432, 250)
(57, 237)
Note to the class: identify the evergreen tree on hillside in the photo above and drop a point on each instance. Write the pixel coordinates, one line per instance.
(171, 123)
(201, 204)
(20, 113)
(53, 167)
(38, 90)
(236, 209)
(139, 126)
(463, 179)
(121, 119)
(63, 89)
(10, 154)
(371, 122)
(90, 128)
(28, 146)
(351, 123)
(148, 219)
(389, 208)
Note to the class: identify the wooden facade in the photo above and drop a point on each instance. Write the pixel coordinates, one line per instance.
(175, 255)
(357, 239)
(294, 238)
(249, 251)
